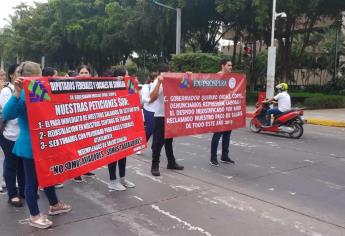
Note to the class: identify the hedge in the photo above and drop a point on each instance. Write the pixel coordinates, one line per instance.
(308, 100)
(325, 101)
(196, 62)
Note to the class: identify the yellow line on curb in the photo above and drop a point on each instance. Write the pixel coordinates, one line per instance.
(333, 123)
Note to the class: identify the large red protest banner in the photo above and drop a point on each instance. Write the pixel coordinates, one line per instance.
(80, 124)
(203, 103)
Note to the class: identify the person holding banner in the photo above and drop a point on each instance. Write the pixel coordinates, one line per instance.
(122, 183)
(148, 106)
(13, 166)
(226, 68)
(157, 98)
(16, 108)
(84, 71)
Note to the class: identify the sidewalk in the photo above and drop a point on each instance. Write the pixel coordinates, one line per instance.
(325, 117)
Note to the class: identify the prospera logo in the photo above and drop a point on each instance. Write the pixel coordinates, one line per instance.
(232, 83)
(38, 92)
(184, 83)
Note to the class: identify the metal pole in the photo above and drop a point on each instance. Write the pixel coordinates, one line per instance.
(2, 67)
(43, 62)
(273, 22)
(336, 50)
(178, 30)
(271, 60)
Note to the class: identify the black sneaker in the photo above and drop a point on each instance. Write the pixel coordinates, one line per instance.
(155, 171)
(78, 179)
(89, 175)
(227, 161)
(175, 166)
(214, 163)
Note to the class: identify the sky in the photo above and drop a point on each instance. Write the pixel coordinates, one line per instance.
(6, 8)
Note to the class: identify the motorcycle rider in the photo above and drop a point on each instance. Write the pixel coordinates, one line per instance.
(284, 102)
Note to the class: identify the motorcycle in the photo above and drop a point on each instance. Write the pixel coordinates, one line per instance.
(290, 122)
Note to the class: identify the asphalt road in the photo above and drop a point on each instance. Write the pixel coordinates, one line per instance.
(278, 186)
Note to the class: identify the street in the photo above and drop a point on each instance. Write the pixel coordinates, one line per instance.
(278, 186)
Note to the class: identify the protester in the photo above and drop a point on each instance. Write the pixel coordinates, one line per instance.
(157, 98)
(226, 68)
(84, 71)
(16, 108)
(49, 71)
(122, 183)
(148, 106)
(2, 82)
(13, 166)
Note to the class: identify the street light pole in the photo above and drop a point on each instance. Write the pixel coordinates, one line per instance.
(271, 60)
(337, 29)
(178, 30)
(178, 24)
(272, 52)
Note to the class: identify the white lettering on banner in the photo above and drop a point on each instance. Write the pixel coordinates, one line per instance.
(183, 119)
(199, 111)
(184, 98)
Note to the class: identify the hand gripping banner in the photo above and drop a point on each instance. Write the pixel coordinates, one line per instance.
(80, 124)
(203, 103)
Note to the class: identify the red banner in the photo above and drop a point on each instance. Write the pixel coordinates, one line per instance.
(203, 103)
(80, 124)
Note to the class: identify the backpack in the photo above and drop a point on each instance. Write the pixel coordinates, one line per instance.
(2, 121)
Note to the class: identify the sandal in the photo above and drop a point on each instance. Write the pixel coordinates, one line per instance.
(15, 201)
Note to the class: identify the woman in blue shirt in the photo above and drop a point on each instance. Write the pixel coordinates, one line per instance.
(16, 108)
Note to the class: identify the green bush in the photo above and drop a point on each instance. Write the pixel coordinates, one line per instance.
(196, 62)
(325, 101)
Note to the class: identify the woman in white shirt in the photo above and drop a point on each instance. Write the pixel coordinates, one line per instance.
(13, 166)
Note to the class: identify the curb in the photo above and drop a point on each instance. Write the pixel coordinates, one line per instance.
(324, 122)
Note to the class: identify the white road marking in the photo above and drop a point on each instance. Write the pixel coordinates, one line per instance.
(189, 226)
(302, 229)
(187, 188)
(155, 179)
(210, 201)
(308, 161)
(235, 204)
(140, 199)
(330, 184)
(254, 165)
(241, 144)
(271, 189)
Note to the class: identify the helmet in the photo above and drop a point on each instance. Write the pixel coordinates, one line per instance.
(282, 86)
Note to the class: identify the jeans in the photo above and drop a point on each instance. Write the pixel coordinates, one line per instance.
(149, 123)
(275, 111)
(13, 169)
(31, 187)
(225, 144)
(112, 169)
(159, 141)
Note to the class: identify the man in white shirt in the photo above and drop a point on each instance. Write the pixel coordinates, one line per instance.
(226, 69)
(157, 98)
(148, 106)
(284, 102)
